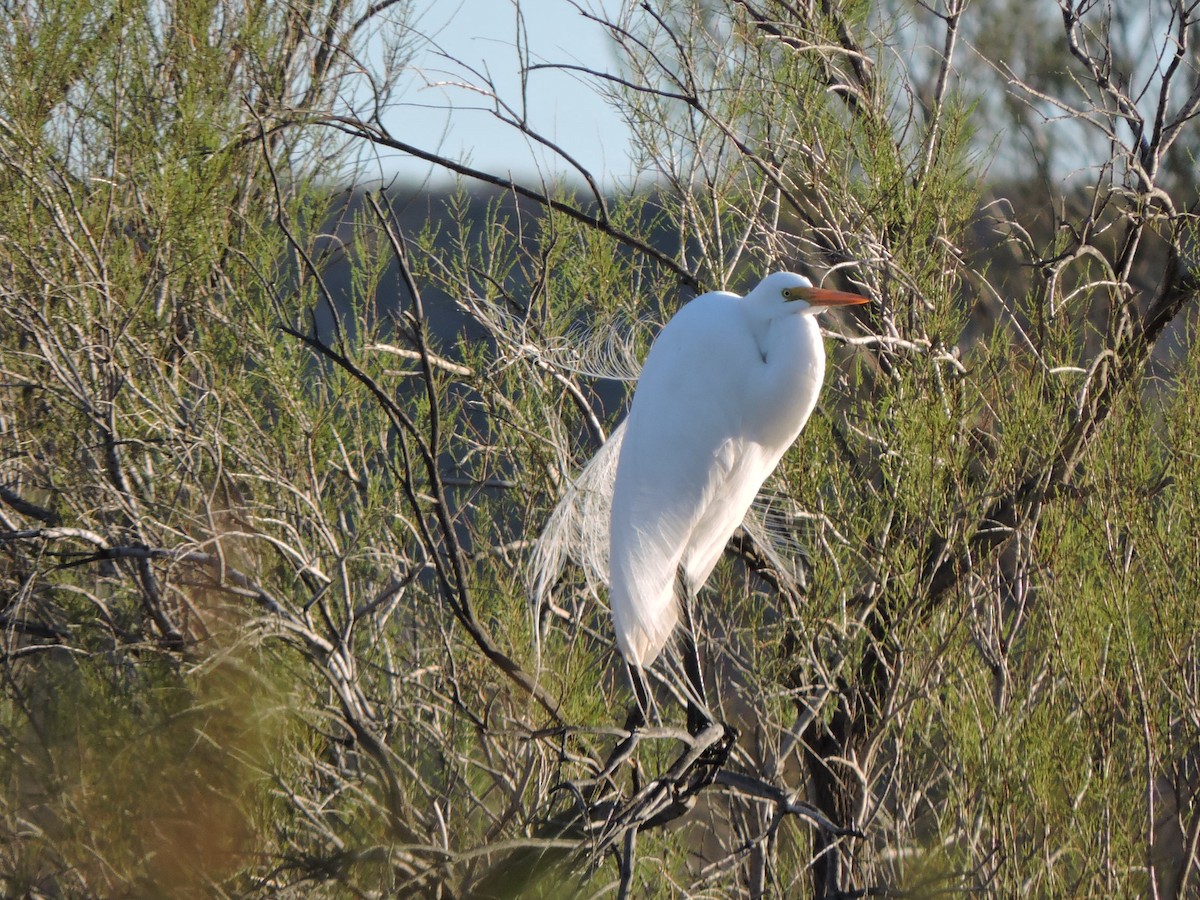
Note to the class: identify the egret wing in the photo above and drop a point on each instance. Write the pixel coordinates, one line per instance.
(685, 475)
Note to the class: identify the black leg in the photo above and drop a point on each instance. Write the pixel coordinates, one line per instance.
(640, 713)
(636, 719)
(697, 717)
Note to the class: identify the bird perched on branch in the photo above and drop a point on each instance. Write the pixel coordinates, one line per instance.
(726, 388)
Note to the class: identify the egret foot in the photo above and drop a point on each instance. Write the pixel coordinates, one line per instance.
(713, 758)
(697, 719)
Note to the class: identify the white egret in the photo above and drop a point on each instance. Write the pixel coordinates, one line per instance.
(726, 388)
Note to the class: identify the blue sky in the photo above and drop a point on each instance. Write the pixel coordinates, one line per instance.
(482, 33)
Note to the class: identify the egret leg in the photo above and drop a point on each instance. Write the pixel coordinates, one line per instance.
(637, 718)
(697, 715)
(639, 715)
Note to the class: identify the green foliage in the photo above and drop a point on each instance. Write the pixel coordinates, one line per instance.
(141, 777)
(273, 459)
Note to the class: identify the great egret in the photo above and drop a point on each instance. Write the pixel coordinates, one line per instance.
(726, 388)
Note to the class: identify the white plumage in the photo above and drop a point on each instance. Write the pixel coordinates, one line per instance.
(726, 388)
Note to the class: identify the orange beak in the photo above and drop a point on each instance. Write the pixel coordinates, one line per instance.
(815, 296)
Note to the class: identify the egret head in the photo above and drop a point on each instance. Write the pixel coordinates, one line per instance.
(800, 295)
